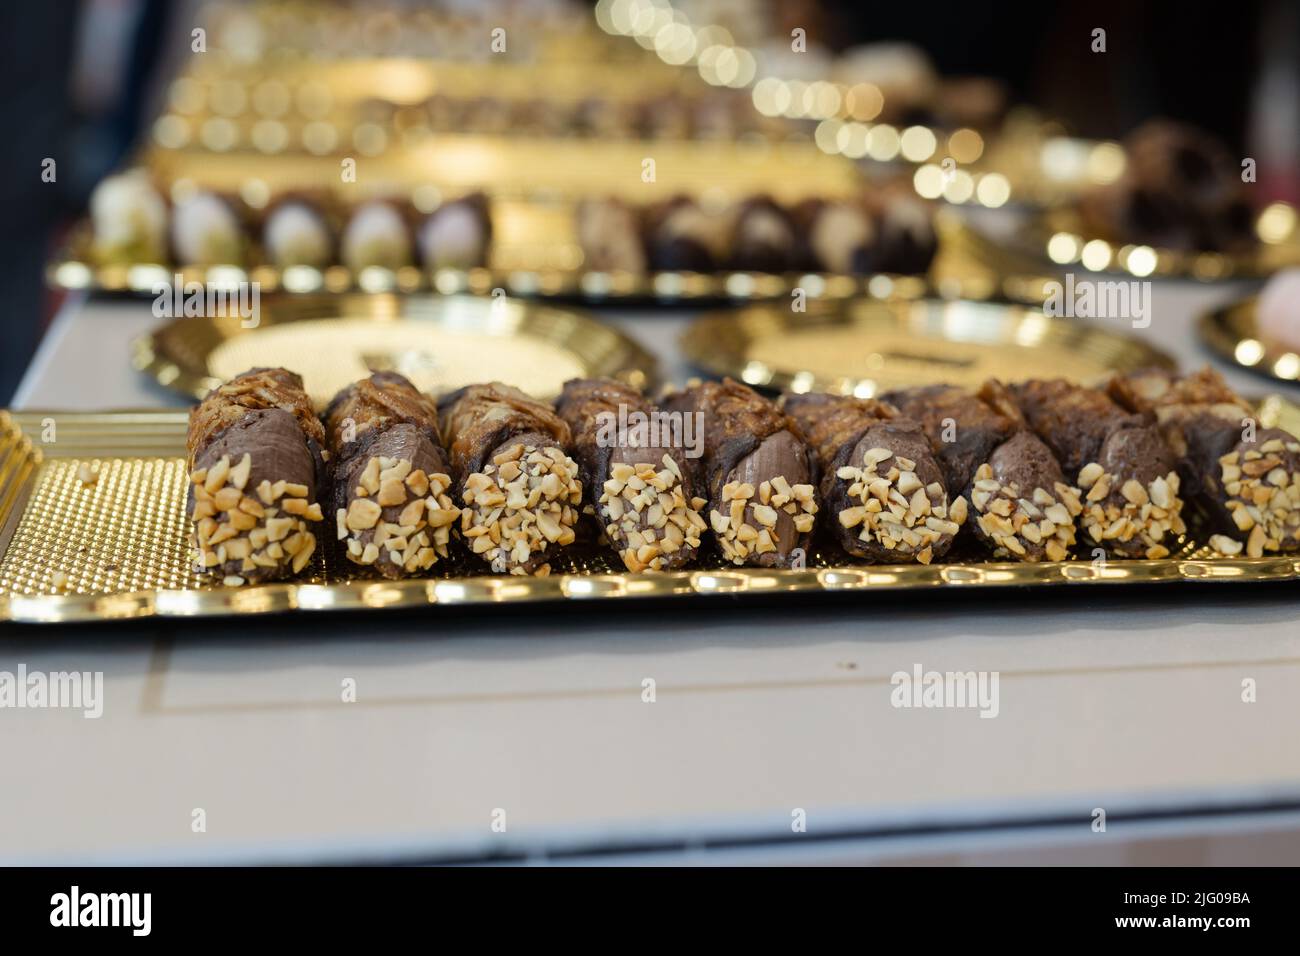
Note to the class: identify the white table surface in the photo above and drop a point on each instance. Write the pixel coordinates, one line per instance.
(1128, 701)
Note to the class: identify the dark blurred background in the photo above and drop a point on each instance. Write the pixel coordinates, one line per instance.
(80, 80)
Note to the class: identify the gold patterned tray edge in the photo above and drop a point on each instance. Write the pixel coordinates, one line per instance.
(280, 598)
(72, 273)
(157, 434)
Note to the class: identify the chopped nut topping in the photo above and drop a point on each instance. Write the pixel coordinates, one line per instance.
(1263, 497)
(503, 516)
(1008, 520)
(233, 530)
(896, 506)
(1132, 518)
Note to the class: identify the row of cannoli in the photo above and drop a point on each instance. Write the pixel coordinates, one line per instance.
(132, 222)
(1027, 471)
(888, 231)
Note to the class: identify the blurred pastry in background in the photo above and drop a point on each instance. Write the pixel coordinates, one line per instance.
(610, 236)
(296, 234)
(682, 237)
(906, 242)
(836, 236)
(206, 231)
(762, 237)
(457, 234)
(1277, 310)
(129, 219)
(1180, 189)
(376, 235)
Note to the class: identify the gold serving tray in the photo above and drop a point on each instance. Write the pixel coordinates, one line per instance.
(439, 342)
(117, 548)
(535, 255)
(1232, 333)
(863, 346)
(1054, 239)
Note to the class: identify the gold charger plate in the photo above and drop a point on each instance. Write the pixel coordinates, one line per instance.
(117, 547)
(864, 346)
(1231, 332)
(1056, 239)
(439, 342)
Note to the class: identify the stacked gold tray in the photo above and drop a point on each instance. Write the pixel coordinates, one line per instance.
(93, 528)
(535, 255)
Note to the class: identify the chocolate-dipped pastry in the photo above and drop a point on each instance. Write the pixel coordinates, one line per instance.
(1120, 460)
(129, 219)
(257, 464)
(762, 237)
(610, 236)
(882, 487)
(906, 242)
(392, 485)
(206, 231)
(488, 114)
(457, 234)
(637, 478)
(759, 474)
(665, 117)
(1246, 478)
(605, 118)
(835, 236)
(295, 233)
(682, 237)
(520, 488)
(1180, 189)
(376, 235)
(1023, 507)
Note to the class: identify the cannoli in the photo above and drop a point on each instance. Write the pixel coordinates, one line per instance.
(296, 234)
(682, 237)
(907, 241)
(1246, 478)
(376, 235)
(129, 219)
(206, 231)
(1180, 189)
(610, 236)
(1023, 507)
(835, 236)
(1122, 463)
(882, 488)
(457, 234)
(637, 478)
(762, 237)
(759, 474)
(392, 486)
(256, 462)
(520, 489)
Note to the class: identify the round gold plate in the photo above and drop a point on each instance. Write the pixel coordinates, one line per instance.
(1057, 236)
(866, 346)
(1231, 332)
(439, 342)
(1054, 240)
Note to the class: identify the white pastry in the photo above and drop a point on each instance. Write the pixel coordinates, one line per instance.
(1277, 310)
(296, 235)
(376, 236)
(206, 232)
(129, 218)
